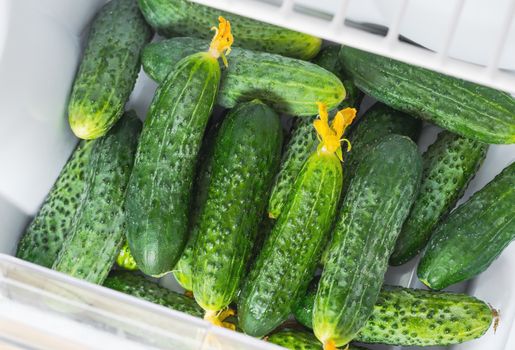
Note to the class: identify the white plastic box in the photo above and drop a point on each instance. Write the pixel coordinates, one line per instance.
(40, 46)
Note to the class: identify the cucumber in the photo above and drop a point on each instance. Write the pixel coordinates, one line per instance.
(172, 18)
(303, 139)
(183, 271)
(449, 165)
(109, 68)
(290, 255)
(415, 317)
(97, 232)
(248, 145)
(138, 286)
(465, 108)
(45, 235)
(287, 85)
(159, 191)
(466, 242)
(295, 339)
(125, 259)
(378, 200)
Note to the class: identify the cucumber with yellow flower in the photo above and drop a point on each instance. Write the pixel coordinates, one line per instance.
(290, 254)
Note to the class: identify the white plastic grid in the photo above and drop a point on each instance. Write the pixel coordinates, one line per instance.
(329, 19)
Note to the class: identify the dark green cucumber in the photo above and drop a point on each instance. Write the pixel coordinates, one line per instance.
(159, 191)
(448, 166)
(125, 259)
(109, 68)
(378, 200)
(45, 235)
(303, 139)
(465, 108)
(246, 155)
(288, 85)
(290, 255)
(172, 18)
(138, 286)
(295, 339)
(466, 242)
(415, 317)
(97, 233)
(183, 271)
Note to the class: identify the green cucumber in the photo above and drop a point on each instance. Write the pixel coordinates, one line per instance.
(467, 109)
(449, 165)
(159, 191)
(44, 237)
(295, 339)
(290, 255)
(109, 68)
(249, 145)
(415, 317)
(172, 18)
(303, 139)
(97, 233)
(378, 200)
(183, 271)
(125, 259)
(287, 85)
(138, 286)
(466, 242)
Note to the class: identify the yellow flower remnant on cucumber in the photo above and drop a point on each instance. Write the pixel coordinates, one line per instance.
(330, 136)
(222, 41)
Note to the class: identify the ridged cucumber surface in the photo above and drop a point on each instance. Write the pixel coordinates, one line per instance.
(125, 259)
(44, 237)
(378, 200)
(246, 156)
(159, 191)
(415, 317)
(467, 109)
(183, 271)
(287, 85)
(290, 255)
(295, 339)
(109, 68)
(172, 18)
(466, 242)
(448, 166)
(97, 232)
(303, 140)
(138, 286)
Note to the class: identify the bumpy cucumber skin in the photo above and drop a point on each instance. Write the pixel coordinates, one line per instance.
(303, 139)
(290, 254)
(159, 191)
(248, 144)
(414, 317)
(109, 68)
(299, 340)
(374, 208)
(465, 108)
(448, 166)
(138, 286)
(183, 271)
(125, 259)
(97, 233)
(287, 85)
(184, 18)
(466, 242)
(45, 235)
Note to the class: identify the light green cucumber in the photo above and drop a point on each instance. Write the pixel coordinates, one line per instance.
(109, 68)
(295, 339)
(125, 259)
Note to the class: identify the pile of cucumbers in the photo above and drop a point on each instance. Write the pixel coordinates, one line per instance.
(261, 220)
